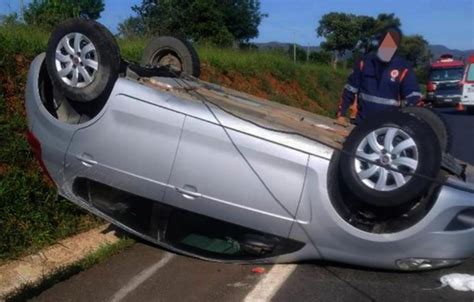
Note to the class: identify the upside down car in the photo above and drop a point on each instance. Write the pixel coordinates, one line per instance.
(217, 174)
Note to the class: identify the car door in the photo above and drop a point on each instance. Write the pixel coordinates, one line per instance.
(468, 86)
(237, 178)
(130, 148)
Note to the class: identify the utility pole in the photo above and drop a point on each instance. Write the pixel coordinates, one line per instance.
(307, 53)
(21, 10)
(294, 52)
(294, 47)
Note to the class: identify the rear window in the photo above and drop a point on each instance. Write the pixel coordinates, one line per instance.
(470, 73)
(446, 74)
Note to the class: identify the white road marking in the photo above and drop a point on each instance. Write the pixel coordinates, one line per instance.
(271, 283)
(140, 278)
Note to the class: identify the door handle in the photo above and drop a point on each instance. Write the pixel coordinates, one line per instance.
(86, 160)
(188, 194)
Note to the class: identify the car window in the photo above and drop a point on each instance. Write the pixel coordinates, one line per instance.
(446, 74)
(470, 73)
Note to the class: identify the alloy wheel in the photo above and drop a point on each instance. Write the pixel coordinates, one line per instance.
(383, 148)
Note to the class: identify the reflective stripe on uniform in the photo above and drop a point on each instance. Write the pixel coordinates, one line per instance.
(379, 100)
(351, 88)
(413, 94)
(404, 74)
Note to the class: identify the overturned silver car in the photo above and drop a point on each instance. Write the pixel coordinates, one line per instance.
(218, 174)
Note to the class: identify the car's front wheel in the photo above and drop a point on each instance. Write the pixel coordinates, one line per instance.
(389, 159)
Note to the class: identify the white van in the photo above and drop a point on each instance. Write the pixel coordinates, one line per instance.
(467, 98)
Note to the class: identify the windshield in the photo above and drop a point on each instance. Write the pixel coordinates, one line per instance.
(470, 73)
(446, 74)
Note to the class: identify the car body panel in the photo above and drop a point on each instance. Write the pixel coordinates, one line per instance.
(108, 149)
(468, 84)
(237, 190)
(176, 151)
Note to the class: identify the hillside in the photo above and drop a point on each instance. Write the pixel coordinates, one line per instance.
(267, 74)
(436, 50)
(31, 215)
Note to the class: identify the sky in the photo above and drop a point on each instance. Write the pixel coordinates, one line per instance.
(445, 22)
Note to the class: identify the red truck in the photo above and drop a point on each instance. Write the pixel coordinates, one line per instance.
(445, 77)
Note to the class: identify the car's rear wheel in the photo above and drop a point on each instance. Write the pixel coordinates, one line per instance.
(177, 54)
(82, 59)
(436, 122)
(389, 159)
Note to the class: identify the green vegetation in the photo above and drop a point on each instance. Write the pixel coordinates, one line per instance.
(31, 215)
(319, 82)
(48, 13)
(15, 39)
(103, 253)
(218, 21)
(357, 33)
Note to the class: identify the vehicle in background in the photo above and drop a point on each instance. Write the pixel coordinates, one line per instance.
(467, 99)
(445, 76)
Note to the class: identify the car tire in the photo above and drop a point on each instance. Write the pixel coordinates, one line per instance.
(174, 52)
(83, 60)
(393, 139)
(470, 109)
(436, 122)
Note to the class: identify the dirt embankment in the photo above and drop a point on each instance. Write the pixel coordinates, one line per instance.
(266, 86)
(13, 86)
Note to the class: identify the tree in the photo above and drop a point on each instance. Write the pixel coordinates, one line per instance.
(220, 22)
(131, 27)
(48, 13)
(242, 18)
(370, 28)
(367, 31)
(10, 19)
(320, 56)
(416, 50)
(341, 32)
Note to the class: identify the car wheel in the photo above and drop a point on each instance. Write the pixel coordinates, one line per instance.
(382, 154)
(470, 109)
(176, 53)
(82, 59)
(436, 122)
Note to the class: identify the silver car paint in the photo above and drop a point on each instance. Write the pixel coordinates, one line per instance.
(280, 189)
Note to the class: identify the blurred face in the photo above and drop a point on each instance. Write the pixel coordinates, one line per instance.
(388, 46)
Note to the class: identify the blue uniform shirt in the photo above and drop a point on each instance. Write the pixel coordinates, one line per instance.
(379, 86)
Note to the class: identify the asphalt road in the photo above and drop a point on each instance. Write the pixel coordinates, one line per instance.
(147, 273)
(462, 129)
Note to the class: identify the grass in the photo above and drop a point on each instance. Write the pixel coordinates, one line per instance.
(30, 291)
(24, 40)
(132, 49)
(31, 215)
(321, 83)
